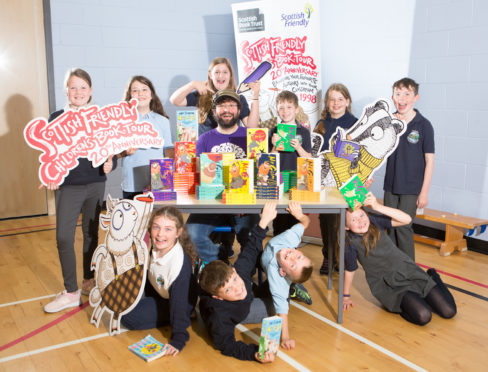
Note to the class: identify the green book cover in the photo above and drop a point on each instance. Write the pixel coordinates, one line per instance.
(354, 191)
(287, 132)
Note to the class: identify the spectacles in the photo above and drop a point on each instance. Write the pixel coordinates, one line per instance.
(230, 106)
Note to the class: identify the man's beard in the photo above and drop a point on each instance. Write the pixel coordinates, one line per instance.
(226, 125)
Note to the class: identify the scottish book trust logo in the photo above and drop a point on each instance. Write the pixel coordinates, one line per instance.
(250, 20)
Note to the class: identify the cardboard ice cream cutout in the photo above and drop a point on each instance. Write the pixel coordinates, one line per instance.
(120, 263)
(91, 132)
(371, 140)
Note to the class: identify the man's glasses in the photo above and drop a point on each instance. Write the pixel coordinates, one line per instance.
(230, 106)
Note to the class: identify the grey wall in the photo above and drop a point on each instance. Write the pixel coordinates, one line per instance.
(366, 45)
(449, 58)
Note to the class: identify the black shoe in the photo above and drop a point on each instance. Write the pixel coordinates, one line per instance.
(434, 275)
(300, 293)
(324, 269)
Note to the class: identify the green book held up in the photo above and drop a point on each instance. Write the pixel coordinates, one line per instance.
(354, 191)
(287, 132)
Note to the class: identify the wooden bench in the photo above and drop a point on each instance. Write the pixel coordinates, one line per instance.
(455, 225)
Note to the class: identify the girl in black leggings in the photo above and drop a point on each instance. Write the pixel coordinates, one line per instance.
(394, 279)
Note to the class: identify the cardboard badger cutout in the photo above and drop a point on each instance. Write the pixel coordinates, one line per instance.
(121, 263)
(362, 149)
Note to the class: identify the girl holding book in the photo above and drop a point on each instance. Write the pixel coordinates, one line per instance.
(82, 192)
(393, 277)
(135, 162)
(199, 94)
(171, 288)
(336, 114)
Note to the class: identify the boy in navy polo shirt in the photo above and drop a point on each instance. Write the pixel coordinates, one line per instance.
(409, 169)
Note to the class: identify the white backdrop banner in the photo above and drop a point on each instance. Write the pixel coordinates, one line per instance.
(278, 43)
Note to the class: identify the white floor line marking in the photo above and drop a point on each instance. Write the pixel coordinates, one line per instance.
(54, 347)
(26, 300)
(360, 338)
(280, 354)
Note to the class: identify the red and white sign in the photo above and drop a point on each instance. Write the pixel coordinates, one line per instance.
(92, 132)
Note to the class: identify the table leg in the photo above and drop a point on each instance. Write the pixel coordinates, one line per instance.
(341, 265)
(331, 263)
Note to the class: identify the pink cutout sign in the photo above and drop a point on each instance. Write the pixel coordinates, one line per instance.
(92, 132)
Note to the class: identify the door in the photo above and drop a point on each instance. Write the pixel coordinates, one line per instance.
(23, 96)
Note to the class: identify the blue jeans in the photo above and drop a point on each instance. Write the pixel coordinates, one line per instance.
(200, 226)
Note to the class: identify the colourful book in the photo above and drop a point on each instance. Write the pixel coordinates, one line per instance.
(227, 159)
(345, 149)
(308, 174)
(257, 141)
(185, 157)
(148, 348)
(241, 176)
(267, 169)
(187, 123)
(211, 169)
(270, 335)
(354, 192)
(161, 174)
(287, 132)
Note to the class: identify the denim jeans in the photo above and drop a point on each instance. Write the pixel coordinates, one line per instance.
(200, 226)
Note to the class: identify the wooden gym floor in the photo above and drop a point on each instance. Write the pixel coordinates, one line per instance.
(369, 339)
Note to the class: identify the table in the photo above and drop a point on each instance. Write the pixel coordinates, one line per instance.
(334, 203)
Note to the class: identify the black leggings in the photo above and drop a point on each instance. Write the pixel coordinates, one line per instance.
(418, 310)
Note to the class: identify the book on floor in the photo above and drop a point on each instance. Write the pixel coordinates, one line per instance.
(270, 335)
(148, 348)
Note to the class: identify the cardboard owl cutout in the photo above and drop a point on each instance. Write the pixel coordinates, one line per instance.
(362, 149)
(120, 263)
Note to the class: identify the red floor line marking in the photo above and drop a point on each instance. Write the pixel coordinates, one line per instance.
(44, 327)
(455, 276)
(27, 227)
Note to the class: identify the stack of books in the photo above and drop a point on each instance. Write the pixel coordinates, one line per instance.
(289, 179)
(184, 178)
(240, 183)
(308, 186)
(211, 177)
(162, 179)
(267, 179)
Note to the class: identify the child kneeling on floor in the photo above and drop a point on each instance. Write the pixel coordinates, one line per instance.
(393, 277)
